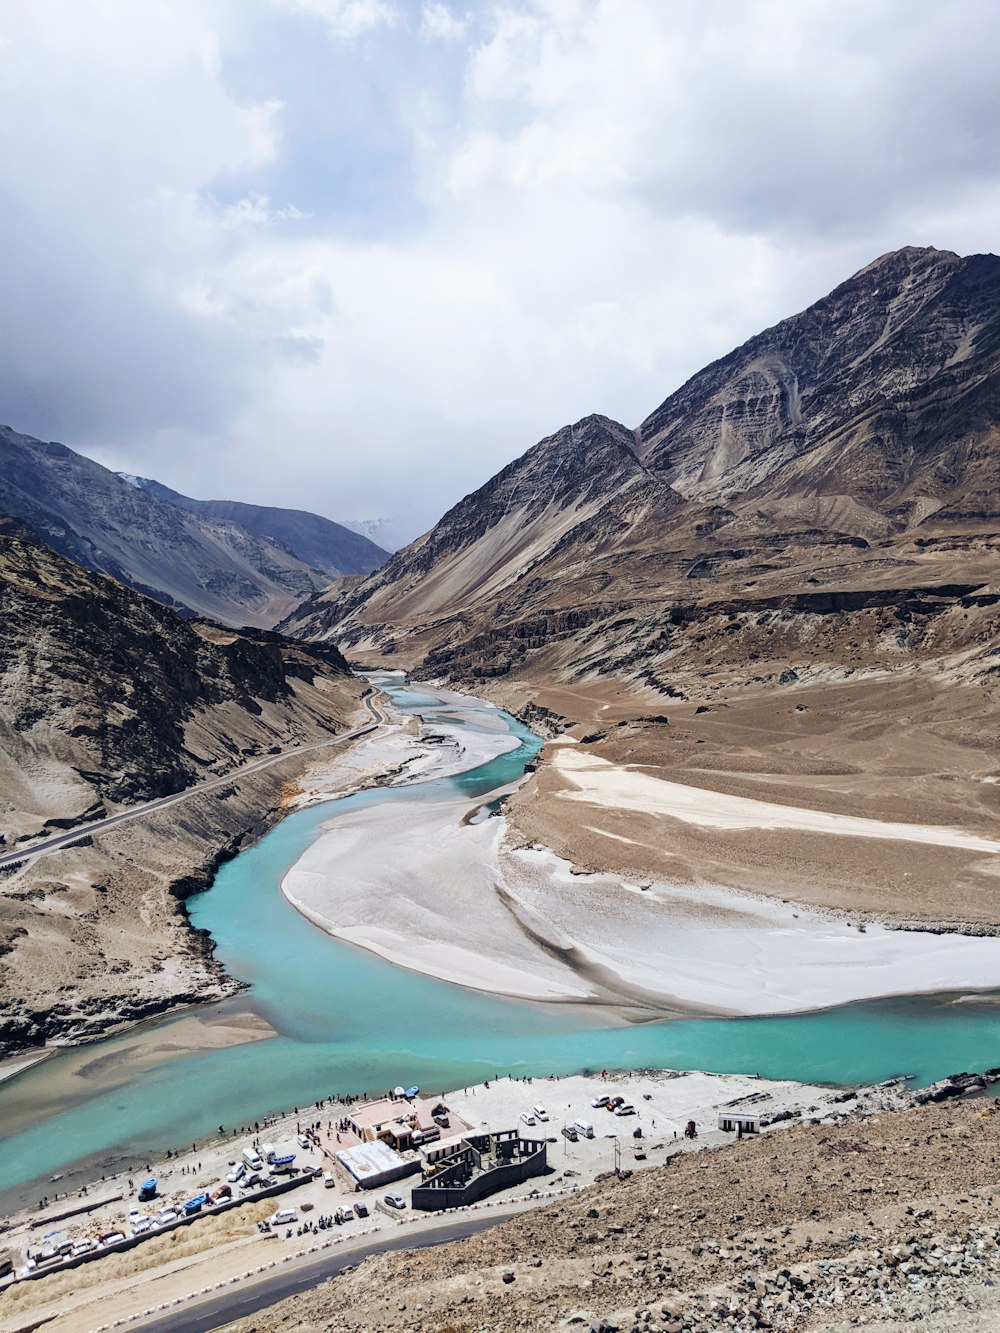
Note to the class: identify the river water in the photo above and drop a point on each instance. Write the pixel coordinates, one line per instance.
(350, 1022)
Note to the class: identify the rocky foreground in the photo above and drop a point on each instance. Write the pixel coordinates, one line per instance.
(878, 1222)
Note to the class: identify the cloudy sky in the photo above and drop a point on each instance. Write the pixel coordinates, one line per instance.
(355, 255)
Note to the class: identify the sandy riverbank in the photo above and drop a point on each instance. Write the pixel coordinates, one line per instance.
(78, 1073)
(425, 889)
(596, 781)
(407, 751)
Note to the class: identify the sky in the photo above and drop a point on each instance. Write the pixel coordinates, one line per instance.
(353, 256)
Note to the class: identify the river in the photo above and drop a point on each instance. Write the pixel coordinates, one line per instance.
(346, 1021)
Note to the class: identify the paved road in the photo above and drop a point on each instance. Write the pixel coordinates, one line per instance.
(247, 1297)
(62, 840)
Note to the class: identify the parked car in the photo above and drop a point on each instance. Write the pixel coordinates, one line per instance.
(112, 1238)
(614, 1102)
(540, 1113)
(83, 1246)
(527, 1117)
(140, 1225)
(626, 1108)
(328, 1181)
(304, 1142)
(237, 1172)
(361, 1209)
(601, 1099)
(394, 1200)
(167, 1215)
(284, 1217)
(344, 1214)
(570, 1132)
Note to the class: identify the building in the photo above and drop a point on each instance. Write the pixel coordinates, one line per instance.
(402, 1122)
(371, 1165)
(481, 1165)
(735, 1122)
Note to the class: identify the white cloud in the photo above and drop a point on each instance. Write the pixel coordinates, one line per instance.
(437, 22)
(587, 201)
(345, 19)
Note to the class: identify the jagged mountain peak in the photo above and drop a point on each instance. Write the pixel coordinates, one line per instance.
(838, 391)
(792, 460)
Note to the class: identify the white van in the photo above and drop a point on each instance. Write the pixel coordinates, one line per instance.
(328, 1181)
(584, 1127)
(253, 1159)
(237, 1172)
(284, 1217)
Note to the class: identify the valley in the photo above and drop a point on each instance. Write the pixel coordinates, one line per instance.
(781, 586)
(660, 728)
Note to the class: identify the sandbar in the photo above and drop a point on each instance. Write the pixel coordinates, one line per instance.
(423, 888)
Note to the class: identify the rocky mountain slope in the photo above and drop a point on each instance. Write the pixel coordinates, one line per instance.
(108, 698)
(202, 565)
(783, 585)
(318, 542)
(842, 468)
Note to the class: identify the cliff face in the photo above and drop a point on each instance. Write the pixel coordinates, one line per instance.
(108, 698)
(209, 565)
(886, 391)
(853, 447)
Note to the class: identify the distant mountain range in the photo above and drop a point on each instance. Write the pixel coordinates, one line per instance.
(847, 458)
(385, 532)
(334, 548)
(238, 564)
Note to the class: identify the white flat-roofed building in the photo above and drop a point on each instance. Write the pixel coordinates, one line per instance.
(738, 1122)
(375, 1164)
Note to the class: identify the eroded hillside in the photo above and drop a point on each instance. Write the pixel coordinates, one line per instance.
(108, 699)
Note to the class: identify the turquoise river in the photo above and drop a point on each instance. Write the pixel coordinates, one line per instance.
(349, 1022)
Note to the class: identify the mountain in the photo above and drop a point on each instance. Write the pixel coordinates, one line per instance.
(849, 457)
(382, 531)
(333, 548)
(108, 698)
(200, 565)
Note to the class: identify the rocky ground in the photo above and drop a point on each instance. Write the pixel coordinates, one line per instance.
(109, 700)
(878, 1222)
(896, 748)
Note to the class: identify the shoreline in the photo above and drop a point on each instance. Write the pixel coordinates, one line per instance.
(229, 1245)
(445, 893)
